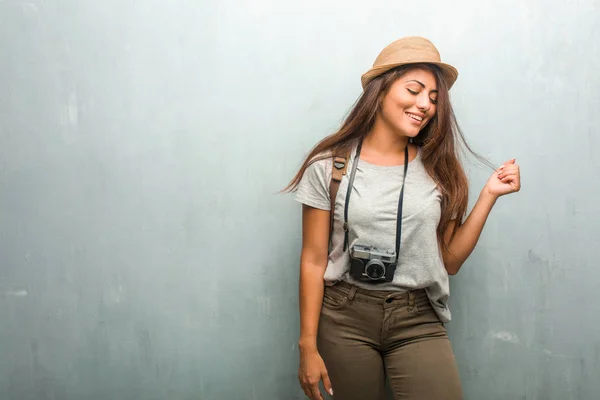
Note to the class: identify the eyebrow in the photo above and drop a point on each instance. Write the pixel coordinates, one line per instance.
(422, 85)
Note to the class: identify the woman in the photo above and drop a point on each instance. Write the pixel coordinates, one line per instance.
(374, 278)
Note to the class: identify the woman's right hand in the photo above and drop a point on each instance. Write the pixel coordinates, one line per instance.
(311, 371)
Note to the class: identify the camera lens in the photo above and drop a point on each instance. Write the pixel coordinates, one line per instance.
(375, 269)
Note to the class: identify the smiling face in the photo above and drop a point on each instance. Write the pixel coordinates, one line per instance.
(410, 102)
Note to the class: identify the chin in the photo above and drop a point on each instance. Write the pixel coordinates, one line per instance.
(409, 133)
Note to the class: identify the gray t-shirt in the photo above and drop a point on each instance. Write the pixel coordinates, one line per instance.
(372, 214)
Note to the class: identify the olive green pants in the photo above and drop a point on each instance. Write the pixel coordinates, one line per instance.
(372, 338)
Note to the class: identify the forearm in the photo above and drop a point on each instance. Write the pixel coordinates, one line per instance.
(311, 299)
(466, 237)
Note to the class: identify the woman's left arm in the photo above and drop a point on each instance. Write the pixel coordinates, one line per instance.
(505, 180)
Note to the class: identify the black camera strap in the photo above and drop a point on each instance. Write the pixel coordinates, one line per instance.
(349, 191)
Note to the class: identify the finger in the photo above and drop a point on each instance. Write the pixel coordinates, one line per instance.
(315, 394)
(327, 383)
(507, 173)
(513, 183)
(305, 389)
(509, 178)
(510, 168)
(507, 164)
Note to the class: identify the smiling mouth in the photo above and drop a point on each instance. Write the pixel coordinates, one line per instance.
(414, 117)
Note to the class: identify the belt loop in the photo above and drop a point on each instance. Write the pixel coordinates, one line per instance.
(411, 299)
(353, 290)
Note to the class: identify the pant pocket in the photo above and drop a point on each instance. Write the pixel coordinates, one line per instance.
(334, 300)
(426, 312)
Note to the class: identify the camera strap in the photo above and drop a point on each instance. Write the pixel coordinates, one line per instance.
(400, 200)
(340, 164)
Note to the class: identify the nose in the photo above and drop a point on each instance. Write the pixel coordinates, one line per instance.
(423, 103)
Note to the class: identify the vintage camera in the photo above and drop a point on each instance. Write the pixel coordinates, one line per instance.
(368, 263)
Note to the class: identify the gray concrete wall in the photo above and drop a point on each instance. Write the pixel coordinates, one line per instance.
(145, 253)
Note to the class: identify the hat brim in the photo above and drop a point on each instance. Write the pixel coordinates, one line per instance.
(450, 73)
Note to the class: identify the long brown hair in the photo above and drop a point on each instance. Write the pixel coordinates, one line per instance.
(438, 142)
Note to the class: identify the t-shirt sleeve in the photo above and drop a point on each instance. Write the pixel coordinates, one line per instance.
(313, 189)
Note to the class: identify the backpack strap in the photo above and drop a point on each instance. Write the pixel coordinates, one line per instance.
(338, 170)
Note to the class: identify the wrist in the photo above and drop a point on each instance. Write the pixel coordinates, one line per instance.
(307, 343)
(487, 196)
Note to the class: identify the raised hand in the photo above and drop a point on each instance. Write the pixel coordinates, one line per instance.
(506, 179)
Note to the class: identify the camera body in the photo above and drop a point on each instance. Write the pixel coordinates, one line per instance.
(370, 264)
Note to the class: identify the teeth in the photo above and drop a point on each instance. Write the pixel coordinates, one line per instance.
(413, 116)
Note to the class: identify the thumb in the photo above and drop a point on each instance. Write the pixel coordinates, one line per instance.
(511, 161)
(327, 383)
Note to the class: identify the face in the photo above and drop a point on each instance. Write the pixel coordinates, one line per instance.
(411, 102)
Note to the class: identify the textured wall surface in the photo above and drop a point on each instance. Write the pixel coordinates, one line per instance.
(145, 252)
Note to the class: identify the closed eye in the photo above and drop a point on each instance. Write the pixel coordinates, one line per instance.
(433, 101)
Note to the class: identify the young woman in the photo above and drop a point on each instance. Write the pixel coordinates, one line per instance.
(374, 278)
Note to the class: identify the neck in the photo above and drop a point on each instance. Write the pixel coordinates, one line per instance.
(382, 139)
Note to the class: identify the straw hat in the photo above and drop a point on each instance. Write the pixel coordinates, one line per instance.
(409, 50)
